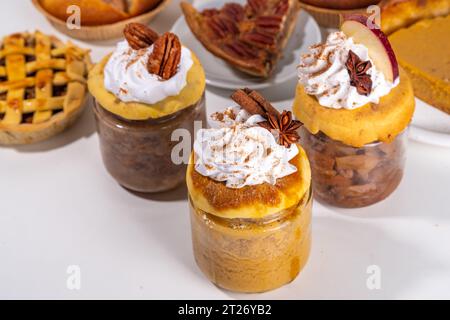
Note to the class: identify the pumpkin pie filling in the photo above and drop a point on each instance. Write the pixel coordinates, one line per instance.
(423, 50)
(250, 214)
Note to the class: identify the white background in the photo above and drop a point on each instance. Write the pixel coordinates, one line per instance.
(59, 207)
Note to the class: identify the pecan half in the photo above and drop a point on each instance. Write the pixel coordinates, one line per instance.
(222, 25)
(272, 21)
(210, 12)
(240, 49)
(259, 39)
(282, 7)
(256, 6)
(165, 57)
(235, 11)
(139, 36)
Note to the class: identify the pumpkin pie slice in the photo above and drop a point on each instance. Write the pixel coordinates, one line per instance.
(250, 38)
(419, 33)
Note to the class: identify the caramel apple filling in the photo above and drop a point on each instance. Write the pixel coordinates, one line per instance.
(351, 177)
(355, 103)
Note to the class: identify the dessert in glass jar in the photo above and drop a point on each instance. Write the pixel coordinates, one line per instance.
(149, 87)
(250, 197)
(355, 104)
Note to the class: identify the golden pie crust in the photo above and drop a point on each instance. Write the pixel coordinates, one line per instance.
(360, 126)
(42, 86)
(398, 14)
(189, 95)
(99, 12)
(257, 201)
(415, 28)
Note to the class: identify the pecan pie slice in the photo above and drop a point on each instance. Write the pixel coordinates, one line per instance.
(250, 37)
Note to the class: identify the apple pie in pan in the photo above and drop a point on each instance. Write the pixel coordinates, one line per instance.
(42, 86)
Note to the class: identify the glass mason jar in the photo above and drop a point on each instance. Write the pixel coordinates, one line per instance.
(349, 177)
(138, 153)
(252, 255)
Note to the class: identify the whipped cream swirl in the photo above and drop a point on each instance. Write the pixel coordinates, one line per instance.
(240, 152)
(127, 77)
(323, 73)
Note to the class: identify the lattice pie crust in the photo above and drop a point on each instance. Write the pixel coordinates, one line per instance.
(42, 86)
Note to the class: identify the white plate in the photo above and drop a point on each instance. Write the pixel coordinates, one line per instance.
(430, 125)
(220, 74)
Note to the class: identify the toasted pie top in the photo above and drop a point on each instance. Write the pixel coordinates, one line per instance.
(250, 201)
(188, 96)
(357, 127)
(99, 12)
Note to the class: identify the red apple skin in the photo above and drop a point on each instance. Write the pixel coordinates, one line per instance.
(381, 36)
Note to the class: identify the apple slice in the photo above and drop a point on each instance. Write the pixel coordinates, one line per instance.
(380, 50)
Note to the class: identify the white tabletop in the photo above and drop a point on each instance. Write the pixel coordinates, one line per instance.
(60, 208)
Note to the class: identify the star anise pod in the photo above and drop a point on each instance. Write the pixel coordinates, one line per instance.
(357, 70)
(254, 103)
(285, 126)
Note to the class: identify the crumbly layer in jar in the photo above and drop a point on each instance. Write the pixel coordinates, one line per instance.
(252, 255)
(350, 177)
(138, 153)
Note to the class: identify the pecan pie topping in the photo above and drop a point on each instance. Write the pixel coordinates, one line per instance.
(258, 24)
(282, 7)
(139, 36)
(250, 36)
(235, 11)
(256, 6)
(165, 57)
(357, 69)
(254, 103)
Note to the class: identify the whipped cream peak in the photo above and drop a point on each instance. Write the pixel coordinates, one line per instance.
(127, 77)
(240, 152)
(323, 73)
(234, 116)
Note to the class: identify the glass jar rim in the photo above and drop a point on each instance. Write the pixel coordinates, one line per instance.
(322, 136)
